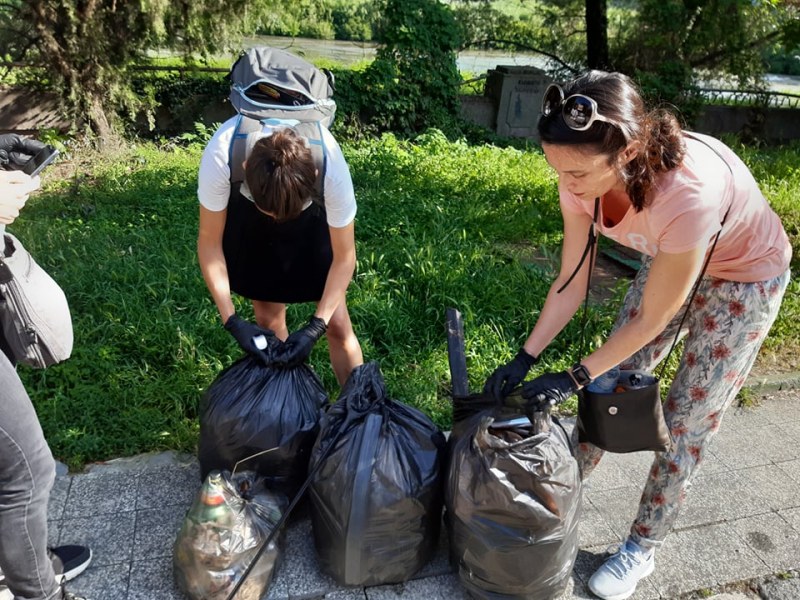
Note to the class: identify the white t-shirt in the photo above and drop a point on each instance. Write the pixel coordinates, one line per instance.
(213, 179)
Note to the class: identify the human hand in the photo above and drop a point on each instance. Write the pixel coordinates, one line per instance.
(297, 347)
(15, 187)
(245, 333)
(15, 151)
(507, 377)
(548, 390)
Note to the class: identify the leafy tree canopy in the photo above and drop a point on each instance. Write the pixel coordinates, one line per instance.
(86, 47)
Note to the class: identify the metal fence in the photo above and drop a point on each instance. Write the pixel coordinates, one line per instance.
(750, 98)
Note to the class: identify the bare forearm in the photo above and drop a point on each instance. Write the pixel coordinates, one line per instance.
(557, 311)
(624, 343)
(339, 278)
(215, 273)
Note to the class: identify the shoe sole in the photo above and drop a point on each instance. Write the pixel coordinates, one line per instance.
(627, 594)
(72, 574)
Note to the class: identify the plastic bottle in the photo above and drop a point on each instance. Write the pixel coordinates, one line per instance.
(605, 383)
(215, 507)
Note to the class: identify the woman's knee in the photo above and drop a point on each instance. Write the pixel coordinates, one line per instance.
(340, 328)
(270, 315)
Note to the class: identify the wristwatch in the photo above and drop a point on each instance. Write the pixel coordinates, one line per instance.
(581, 375)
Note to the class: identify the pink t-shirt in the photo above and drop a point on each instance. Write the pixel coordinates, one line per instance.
(686, 211)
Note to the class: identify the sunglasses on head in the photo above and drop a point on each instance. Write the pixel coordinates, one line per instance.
(579, 111)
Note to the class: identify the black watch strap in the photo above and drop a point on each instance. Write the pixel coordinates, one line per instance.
(581, 375)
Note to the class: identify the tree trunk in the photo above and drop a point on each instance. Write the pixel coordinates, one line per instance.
(597, 34)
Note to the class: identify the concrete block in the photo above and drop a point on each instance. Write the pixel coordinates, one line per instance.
(774, 541)
(618, 507)
(156, 531)
(770, 483)
(792, 517)
(792, 469)
(593, 529)
(153, 579)
(167, 485)
(58, 498)
(101, 494)
(442, 587)
(781, 589)
(110, 538)
(608, 475)
(107, 582)
(354, 594)
(704, 557)
(754, 447)
(719, 497)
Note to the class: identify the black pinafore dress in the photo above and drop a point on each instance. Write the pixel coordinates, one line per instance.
(284, 262)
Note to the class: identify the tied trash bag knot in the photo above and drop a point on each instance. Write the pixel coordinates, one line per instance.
(252, 407)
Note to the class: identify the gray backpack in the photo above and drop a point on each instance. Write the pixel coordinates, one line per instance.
(273, 86)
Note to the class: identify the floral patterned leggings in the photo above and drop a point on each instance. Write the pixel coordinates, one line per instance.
(726, 325)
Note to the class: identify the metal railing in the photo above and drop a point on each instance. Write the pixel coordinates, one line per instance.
(750, 98)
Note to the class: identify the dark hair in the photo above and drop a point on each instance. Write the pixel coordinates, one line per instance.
(661, 140)
(281, 174)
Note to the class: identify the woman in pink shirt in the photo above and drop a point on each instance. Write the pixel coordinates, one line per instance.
(665, 193)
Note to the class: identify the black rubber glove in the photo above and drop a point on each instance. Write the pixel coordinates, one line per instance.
(297, 347)
(15, 151)
(548, 390)
(245, 333)
(506, 378)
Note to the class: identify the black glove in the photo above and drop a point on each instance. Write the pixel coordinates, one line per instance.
(245, 333)
(506, 378)
(15, 151)
(548, 390)
(297, 347)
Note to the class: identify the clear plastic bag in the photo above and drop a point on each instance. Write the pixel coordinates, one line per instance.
(225, 527)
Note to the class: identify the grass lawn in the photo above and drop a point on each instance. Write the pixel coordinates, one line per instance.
(437, 225)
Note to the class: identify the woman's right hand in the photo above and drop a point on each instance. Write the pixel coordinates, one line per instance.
(246, 334)
(505, 378)
(15, 187)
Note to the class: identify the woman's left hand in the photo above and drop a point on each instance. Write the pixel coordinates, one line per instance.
(548, 390)
(297, 347)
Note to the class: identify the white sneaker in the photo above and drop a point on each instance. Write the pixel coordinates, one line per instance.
(616, 579)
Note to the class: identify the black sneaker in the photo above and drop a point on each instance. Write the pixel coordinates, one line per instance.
(69, 561)
(70, 596)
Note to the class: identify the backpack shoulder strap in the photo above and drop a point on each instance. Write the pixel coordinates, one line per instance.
(236, 153)
(311, 131)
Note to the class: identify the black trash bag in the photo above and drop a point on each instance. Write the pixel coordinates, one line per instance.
(226, 525)
(252, 407)
(513, 498)
(376, 501)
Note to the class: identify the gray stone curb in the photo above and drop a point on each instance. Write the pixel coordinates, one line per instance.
(773, 383)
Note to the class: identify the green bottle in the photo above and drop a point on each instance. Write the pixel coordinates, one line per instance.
(214, 506)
